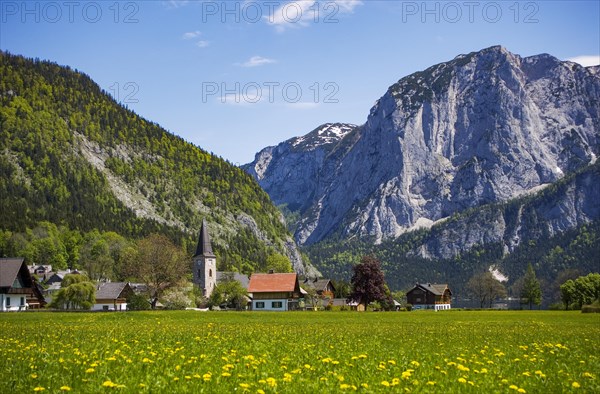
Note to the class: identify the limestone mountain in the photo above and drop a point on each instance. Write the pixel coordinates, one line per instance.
(483, 128)
(71, 155)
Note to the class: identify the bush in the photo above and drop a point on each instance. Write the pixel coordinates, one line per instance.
(408, 307)
(557, 306)
(137, 302)
(592, 308)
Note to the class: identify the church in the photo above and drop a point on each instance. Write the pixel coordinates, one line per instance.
(204, 266)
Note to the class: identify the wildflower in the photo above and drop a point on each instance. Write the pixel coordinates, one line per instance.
(287, 377)
(89, 370)
(245, 386)
(521, 390)
(576, 385)
(430, 383)
(108, 383)
(207, 376)
(393, 362)
(462, 380)
(415, 363)
(39, 388)
(226, 374)
(141, 385)
(526, 373)
(588, 375)
(513, 387)
(65, 388)
(271, 382)
(34, 376)
(461, 367)
(364, 385)
(259, 391)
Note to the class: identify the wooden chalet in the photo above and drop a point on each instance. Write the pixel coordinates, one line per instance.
(430, 296)
(274, 292)
(18, 289)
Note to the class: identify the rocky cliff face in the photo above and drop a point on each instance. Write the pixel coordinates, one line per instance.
(485, 127)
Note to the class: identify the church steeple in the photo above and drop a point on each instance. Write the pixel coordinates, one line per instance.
(204, 247)
(205, 263)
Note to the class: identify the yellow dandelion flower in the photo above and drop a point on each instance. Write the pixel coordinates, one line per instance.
(34, 376)
(461, 367)
(245, 386)
(385, 383)
(39, 388)
(65, 388)
(588, 375)
(226, 374)
(141, 385)
(513, 387)
(415, 363)
(526, 373)
(462, 380)
(364, 385)
(521, 390)
(271, 382)
(431, 383)
(259, 391)
(576, 385)
(108, 383)
(89, 370)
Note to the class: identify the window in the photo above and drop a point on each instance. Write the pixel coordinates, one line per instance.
(7, 301)
(104, 307)
(276, 304)
(22, 301)
(199, 274)
(260, 305)
(210, 273)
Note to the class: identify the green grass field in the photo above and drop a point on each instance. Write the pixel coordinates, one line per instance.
(300, 352)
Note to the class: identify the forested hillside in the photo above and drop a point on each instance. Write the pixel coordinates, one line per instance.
(72, 156)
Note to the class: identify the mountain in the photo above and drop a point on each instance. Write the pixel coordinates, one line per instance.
(483, 128)
(72, 156)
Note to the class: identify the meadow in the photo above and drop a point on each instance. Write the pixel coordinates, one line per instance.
(300, 352)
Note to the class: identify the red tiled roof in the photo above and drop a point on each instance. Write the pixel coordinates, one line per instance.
(270, 283)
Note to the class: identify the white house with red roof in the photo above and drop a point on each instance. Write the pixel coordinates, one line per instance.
(274, 292)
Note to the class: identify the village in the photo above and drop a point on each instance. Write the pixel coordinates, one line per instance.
(32, 287)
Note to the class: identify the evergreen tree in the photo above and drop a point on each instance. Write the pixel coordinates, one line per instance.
(531, 293)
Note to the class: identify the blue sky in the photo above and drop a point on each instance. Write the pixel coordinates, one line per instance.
(234, 77)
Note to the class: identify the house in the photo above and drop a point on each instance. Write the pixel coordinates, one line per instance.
(321, 286)
(112, 296)
(274, 292)
(39, 269)
(58, 276)
(18, 289)
(430, 296)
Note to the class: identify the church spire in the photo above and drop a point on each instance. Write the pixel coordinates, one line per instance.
(204, 247)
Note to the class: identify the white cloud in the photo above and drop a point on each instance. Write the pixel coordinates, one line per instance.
(256, 61)
(301, 13)
(176, 3)
(586, 60)
(202, 44)
(191, 35)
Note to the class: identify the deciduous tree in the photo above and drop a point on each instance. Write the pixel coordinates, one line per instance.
(159, 264)
(485, 288)
(368, 282)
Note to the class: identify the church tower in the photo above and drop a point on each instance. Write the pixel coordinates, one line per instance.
(205, 263)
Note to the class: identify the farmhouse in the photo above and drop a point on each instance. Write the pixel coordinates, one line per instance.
(274, 292)
(430, 296)
(18, 289)
(112, 296)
